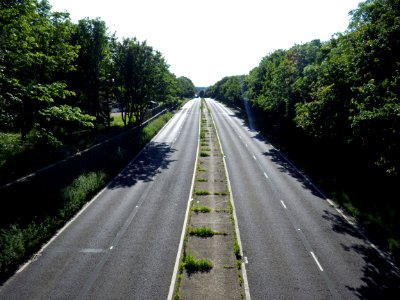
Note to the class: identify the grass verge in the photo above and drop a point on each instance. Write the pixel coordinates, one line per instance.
(18, 241)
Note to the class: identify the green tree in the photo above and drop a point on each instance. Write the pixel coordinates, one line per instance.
(35, 57)
(143, 78)
(229, 89)
(91, 81)
(186, 88)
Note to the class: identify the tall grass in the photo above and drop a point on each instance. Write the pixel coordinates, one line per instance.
(18, 242)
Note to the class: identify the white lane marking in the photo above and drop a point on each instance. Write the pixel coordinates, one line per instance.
(111, 247)
(266, 175)
(283, 204)
(330, 202)
(247, 146)
(246, 261)
(180, 247)
(243, 265)
(254, 157)
(316, 260)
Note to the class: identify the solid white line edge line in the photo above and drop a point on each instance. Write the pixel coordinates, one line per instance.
(180, 247)
(84, 207)
(243, 265)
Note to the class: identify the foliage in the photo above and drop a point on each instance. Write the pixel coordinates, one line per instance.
(186, 88)
(229, 89)
(201, 208)
(47, 64)
(202, 232)
(340, 100)
(192, 264)
(93, 65)
(80, 190)
(35, 57)
(143, 79)
(20, 240)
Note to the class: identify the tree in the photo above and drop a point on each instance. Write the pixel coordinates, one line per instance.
(143, 76)
(229, 89)
(35, 57)
(186, 87)
(91, 81)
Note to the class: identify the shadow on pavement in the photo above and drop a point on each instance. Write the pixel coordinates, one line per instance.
(380, 278)
(149, 163)
(286, 167)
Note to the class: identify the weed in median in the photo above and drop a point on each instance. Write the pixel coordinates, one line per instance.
(222, 210)
(228, 267)
(202, 180)
(236, 250)
(201, 209)
(201, 192)
(203, 232)
(220, 193)
(204, 154)
(193, 265)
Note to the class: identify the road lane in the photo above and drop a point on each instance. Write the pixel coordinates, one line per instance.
(124, 245)
(296, 243)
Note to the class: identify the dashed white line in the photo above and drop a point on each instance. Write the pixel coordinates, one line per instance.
(254, 157)
(266, 175)
(316, 260)
(283, 204)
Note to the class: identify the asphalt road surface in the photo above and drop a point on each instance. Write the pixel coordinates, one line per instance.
(124, 244)
(297, 244)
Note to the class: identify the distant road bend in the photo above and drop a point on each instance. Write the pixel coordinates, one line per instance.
(298, 246)
(124, 244)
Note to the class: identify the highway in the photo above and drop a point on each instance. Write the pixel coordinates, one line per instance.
(124, 244)
(297, 243)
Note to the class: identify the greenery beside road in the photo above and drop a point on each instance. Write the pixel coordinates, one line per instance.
(19, 240)
(59, 84)
(334, 108)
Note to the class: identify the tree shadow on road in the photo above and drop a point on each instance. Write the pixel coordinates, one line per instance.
(285, 166)
(380, 278)
(150, 162)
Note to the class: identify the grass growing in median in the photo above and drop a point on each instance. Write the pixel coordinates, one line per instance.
(192, 265)
(201, 209)
(202, 180)
(202, 192)
(204, 154)
(203, 232)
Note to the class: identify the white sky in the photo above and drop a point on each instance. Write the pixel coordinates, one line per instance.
(208, 39)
